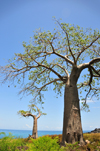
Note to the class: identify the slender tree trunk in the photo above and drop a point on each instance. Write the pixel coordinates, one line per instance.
(34, 132)
(72, 128)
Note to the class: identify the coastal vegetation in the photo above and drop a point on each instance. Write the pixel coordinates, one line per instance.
(48, 143)
(60, 58)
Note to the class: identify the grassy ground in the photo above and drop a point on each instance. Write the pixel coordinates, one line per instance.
(48, 143)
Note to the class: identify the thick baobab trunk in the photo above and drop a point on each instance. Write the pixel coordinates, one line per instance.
(72, 128)
(34, 132)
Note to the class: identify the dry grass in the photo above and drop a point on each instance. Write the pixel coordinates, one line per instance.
(94, 138)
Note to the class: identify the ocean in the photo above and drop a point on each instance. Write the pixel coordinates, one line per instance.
(26, 133)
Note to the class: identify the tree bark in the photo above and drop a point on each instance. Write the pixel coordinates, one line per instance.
(72, 128)
(34, 132)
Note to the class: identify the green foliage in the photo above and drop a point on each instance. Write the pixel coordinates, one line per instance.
(2, 133)
(70, 147)
(44, 144)
(7, 143)
(44, 113)
(32, 107)
(22, 112)
(47, 143)
(85, 107)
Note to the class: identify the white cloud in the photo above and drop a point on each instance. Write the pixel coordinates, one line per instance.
(88, 101)
(29, 126)
(91, 126)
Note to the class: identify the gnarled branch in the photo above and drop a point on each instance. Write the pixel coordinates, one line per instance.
(28, 114)
(63, 57)
(88, 46)
(67, 41)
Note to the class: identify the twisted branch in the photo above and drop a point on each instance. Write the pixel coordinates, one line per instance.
(88, 46)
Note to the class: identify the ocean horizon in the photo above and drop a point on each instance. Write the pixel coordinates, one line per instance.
(26, 133)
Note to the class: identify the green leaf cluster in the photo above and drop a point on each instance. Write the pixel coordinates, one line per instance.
(85, 107)
(43, 144)
(22, 112)
(8, 143)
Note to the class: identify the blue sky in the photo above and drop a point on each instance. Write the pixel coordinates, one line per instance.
(18, 20)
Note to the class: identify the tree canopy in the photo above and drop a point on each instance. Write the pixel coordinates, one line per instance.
(49, 58)
(32, 108)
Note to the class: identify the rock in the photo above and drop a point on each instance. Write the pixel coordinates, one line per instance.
(87, 142)
(96, 130)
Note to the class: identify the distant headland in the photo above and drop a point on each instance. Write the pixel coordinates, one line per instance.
(96, 130)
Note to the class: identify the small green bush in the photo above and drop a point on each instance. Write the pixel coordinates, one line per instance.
(7, 143)
(44, 144)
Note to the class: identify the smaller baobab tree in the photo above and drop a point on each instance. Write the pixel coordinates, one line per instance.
(35, 117)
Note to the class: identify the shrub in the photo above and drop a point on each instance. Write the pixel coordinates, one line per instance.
(7, 143)
(44, 143)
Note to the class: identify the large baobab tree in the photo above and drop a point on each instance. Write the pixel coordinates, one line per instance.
(35, 117)
(58, 58)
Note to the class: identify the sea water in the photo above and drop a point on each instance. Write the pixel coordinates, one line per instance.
(26, 133)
